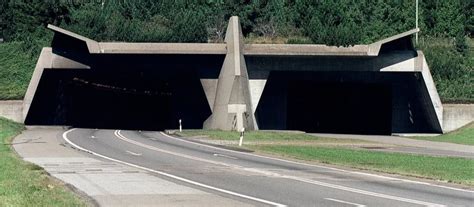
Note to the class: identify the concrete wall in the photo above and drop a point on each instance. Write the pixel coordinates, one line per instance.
(12, 110)
(457, 115)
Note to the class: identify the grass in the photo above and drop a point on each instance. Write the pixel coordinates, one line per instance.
(266, 137)
(343, 152)
(464, 135)
(456, 170)
(25, 184)
(16, 68)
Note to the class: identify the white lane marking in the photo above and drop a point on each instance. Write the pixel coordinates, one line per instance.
(345, 202)
(277, 175)
(120, 136)
(170, 175)
(320, 166)
(133, 153)
(226, 156)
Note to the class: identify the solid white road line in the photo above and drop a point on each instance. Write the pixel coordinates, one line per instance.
(321, 166)
(133, 153)
(170, 175)
(345, 202)
(273, 174)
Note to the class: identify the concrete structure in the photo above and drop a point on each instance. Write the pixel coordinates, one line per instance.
(12, 110)
(457, 116)
(381, 88)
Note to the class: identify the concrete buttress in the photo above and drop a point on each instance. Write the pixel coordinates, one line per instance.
(232, 109)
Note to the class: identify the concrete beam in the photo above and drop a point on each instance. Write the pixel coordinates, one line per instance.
(248, 49)
(232, 109)
(374, 48)
(60, 62)
(44, 61)
(92, 45)
(304, 50)
(162, 48)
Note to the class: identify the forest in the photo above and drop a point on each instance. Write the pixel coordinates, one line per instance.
(447, 28)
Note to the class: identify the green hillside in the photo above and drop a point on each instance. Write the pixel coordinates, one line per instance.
(447, 27)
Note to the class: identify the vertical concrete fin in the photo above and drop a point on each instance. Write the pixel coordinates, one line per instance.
(232, 108)
(210, 87)
(44, 61)
(430, 86)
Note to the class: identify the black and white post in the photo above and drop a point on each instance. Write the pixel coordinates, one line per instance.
(241, 137)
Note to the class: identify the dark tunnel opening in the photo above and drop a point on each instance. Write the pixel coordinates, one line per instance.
(347, 108)
(326, 102)
(142, 97)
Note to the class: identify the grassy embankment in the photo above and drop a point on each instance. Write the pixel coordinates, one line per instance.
(16, 67)
(342, 152)
(25, 184)
(465, 135)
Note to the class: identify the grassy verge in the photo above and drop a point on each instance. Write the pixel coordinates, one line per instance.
(342, 152)
(456, 170)
(25, 184)
(267, 137)
(464, 135)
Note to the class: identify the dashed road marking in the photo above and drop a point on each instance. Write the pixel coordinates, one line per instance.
(345, 202)
(133, 153)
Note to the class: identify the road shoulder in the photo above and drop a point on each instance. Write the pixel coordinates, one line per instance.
(106, 182)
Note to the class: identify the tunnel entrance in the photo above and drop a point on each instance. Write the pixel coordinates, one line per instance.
(121, 99)
(347, 108)
(326, 102)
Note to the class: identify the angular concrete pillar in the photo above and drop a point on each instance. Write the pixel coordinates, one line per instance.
(45, 60)
(232, 107)
(431, 87)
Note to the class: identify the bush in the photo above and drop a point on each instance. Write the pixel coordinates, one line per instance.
(452, 71)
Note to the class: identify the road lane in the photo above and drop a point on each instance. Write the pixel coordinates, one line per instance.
(259, 177)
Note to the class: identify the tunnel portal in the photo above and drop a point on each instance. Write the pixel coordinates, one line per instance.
(381, 88)
(126, 96)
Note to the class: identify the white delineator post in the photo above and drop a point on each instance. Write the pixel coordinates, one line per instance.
(180, 126)
(241, 137)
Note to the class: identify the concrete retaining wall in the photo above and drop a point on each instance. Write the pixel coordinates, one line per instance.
(456, 116)
(12, 110)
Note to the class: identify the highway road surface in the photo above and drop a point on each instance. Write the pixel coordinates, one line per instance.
(259, 180)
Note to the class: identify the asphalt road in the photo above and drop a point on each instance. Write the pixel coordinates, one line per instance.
(257, 179)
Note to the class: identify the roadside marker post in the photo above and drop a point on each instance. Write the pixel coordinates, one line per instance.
(180, 126)
(241, 137)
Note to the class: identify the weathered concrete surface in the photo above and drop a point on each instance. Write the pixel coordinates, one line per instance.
(12, 110)
(457, 115)
(162, 48)
(44, 61)
(232, 108)
(108, 183)
(434, 101)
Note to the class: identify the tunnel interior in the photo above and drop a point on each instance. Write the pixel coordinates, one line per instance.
(126, 92)
(339, 108)
(344, 102)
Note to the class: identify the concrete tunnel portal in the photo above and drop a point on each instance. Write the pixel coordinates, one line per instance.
(314, 88)
(126, 91)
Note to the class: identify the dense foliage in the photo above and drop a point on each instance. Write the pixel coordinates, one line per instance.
(332, 22)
